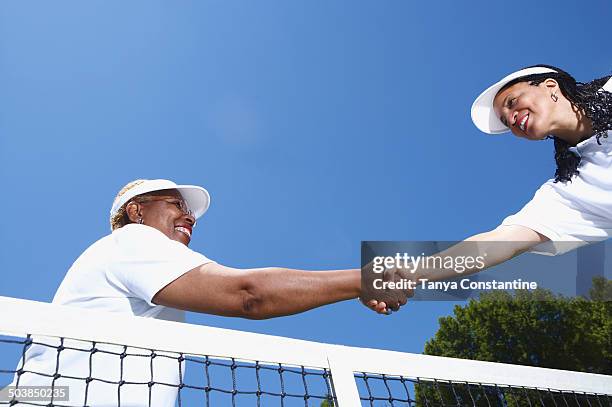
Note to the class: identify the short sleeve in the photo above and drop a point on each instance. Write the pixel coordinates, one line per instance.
(146, 260)
(563, 222)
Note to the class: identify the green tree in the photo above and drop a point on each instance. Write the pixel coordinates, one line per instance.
(535, 328)
(327, 403)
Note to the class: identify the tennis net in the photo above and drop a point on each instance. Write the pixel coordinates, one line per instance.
(54, 355)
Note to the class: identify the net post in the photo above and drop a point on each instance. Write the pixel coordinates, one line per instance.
(343, 380)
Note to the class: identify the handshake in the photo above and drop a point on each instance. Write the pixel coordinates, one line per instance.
(386, 291)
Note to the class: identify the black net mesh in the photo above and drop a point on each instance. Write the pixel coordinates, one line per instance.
(103, 374)
(200, 380)
(381, 390)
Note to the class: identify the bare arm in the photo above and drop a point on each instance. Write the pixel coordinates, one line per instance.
(257, 293)
(500, 245)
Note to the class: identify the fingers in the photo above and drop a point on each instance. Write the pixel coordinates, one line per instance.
(394, 306)
(381, 308)
(385, 300)
(378, 307)
(373, 305)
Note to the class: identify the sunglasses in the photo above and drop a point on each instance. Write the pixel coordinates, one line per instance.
(179, 203)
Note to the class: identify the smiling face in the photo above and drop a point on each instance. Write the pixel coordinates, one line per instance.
(528, 110)
(166, 211)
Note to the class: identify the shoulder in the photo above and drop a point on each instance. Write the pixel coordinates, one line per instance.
(134, 235)
(548, 190)
(136, 230)
(550, 195)
(127, 238)
(145, 242)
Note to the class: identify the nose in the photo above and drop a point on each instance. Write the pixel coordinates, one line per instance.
(511, 117)
(189, 218)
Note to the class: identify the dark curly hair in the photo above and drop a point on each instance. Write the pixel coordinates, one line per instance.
(588, 98)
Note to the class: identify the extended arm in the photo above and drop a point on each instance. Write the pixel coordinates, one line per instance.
(500, 245)
(257, 293)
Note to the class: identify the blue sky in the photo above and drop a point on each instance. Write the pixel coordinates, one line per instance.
(313, 124)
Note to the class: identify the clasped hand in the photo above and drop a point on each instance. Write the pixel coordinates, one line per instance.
(378, 296)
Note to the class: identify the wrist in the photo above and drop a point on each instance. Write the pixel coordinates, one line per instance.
(355, 283)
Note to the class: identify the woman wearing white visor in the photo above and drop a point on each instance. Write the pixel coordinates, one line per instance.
(575, 207)
(541, 102)
(146, 262)
(145, 268)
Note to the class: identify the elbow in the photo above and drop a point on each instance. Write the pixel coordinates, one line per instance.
(253, 303)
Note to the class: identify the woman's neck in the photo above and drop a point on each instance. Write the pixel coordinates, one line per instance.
(573, 126)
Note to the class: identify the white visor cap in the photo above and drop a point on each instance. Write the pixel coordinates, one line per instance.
(197, 198)
(484, 116)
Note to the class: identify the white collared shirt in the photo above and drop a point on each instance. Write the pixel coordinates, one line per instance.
(120, 273)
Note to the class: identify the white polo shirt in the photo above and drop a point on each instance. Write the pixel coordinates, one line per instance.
(574, 213)
(119, 273)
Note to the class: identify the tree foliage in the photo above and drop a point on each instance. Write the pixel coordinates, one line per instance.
(535, 328)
